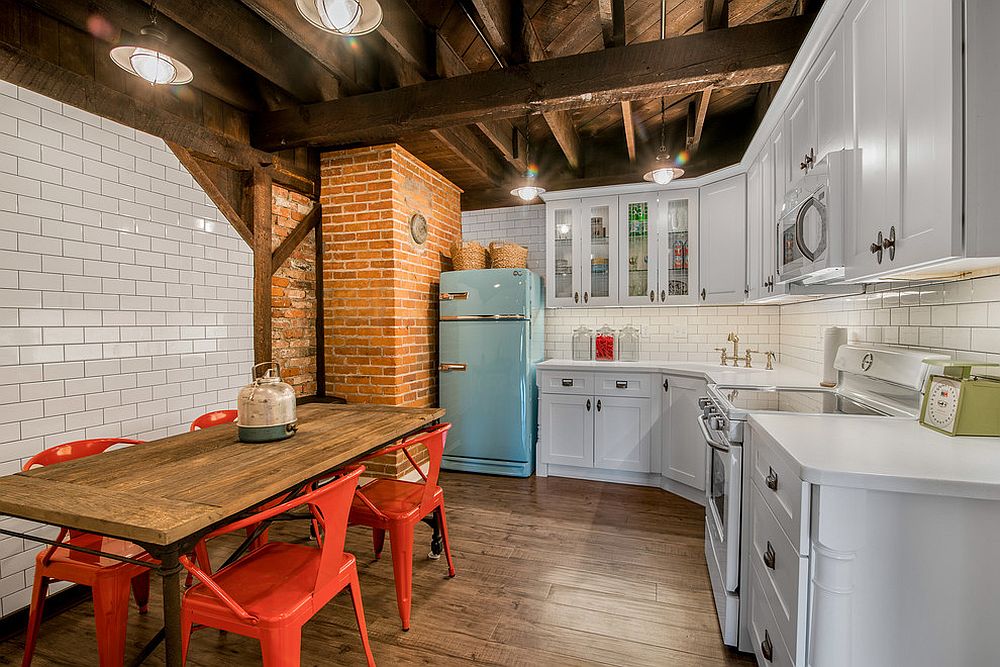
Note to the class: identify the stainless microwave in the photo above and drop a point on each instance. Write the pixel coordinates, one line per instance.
(812, 224)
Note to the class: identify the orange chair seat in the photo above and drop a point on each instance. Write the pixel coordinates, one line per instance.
(275, 583)
(397, 499)
(63, 556)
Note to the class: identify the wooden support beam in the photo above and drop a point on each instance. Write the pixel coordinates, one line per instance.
(407, 35)
(629, 124)
(612, 16)
(716, 14)
(285, 249)
(739, 56)
(697, 111)
(43, 77)
(229, 203)
(473, 152)
(563, 129)
(259, 200)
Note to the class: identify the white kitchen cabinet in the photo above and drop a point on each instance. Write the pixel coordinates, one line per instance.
(581, 251)
(723, 238)
(683, 458)
(566, 429)
(622, 427)
(638, 220)
(756, 283)
(800, 129)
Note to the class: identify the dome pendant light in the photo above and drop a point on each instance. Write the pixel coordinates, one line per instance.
(663, 171)
(147, 57)
(348, 18)
(529, 188)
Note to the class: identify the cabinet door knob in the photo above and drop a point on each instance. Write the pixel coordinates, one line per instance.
(766, 647)
(652, 296)
(576, 297)
(769, 556)
(598, 405)
(772, 479)
(666, 386)
(702, 293)
(663, 295)
(889, 243)
(588, 405)
(586, 297)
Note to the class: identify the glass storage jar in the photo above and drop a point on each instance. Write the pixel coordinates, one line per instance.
(604, 344)
(583, 344)
(628, 344)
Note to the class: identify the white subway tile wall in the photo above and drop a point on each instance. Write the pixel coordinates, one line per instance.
(961, 318)
(524, 225)
(125, 296)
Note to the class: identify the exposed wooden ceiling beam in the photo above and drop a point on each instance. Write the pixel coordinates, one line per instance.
(45, 78)
(474, 153)
(629, 124)
(738, 56)
(611, 14)
(407, 35)
(560, 121)
(716, 14)
(246, 37)
(227, 199)
(697, 111)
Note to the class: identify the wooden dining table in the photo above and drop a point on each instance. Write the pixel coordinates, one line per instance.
(166, 494)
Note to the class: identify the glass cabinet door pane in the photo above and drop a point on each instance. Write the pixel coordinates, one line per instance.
(637, 230)
(564, 253)
(676, 261)
(599, 220)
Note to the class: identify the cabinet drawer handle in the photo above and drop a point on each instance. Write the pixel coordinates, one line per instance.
(652, 296)
(567, 382)
(769, 556)
(772, 479)
(621, 384)
(766, 647)
(588, 405)
(598, 405)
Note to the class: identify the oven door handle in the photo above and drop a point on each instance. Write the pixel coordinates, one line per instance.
(712, 442)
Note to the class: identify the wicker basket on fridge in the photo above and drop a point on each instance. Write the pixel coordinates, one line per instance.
(508, 256)
(466, 256)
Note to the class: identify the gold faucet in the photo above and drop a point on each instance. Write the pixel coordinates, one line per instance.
(770, 360)
(734, 338)
(748, 360)
(724, 357)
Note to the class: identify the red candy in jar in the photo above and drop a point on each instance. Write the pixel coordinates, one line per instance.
(604, 349)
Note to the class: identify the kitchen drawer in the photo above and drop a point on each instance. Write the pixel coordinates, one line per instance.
(765, 633)
(782, 571)
(784, 492)
(566, 382)
(624, 384)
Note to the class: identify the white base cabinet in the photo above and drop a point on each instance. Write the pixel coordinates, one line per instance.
(628, 427)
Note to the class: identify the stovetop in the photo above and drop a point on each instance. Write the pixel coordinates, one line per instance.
(737, 401)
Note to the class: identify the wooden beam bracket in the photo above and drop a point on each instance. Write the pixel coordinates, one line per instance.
(292, 241)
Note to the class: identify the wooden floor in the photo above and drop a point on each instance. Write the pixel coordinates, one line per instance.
(550, 572)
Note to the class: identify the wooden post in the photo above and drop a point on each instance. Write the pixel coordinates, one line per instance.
(320, 311)
(259, 200)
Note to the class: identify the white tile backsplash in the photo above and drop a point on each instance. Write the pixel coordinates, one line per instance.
(125, 295)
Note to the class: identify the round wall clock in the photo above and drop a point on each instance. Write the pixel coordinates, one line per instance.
(418, 228)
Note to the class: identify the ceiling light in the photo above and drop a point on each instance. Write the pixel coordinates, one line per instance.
(147, 59)
(529, 188)
(663, 171)
(342, 17)
(527, 192)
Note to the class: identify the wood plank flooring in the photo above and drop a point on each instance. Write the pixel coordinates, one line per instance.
(550, 572)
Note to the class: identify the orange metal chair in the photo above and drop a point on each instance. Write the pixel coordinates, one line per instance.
(397, 506)
(273, 591)
(214, 419)
(109, 579)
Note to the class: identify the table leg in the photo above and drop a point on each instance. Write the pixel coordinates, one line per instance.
(170, 572)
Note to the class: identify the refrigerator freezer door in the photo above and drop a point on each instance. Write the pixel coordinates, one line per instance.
(486, 387)
(486, 292)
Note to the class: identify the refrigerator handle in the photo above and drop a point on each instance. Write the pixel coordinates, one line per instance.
(453, 296)
(453, 367)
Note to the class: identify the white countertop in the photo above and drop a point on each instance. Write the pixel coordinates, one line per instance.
(711, 372)
(880, 453)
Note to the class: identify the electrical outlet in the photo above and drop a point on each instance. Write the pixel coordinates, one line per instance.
(679, 332)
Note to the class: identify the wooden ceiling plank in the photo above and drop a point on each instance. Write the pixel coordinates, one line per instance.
(243, 35)
(407, 35)
(738, 56)
(716, 15)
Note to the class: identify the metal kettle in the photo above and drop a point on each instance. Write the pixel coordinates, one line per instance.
(266, 407)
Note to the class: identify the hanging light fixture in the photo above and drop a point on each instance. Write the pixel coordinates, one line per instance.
(147, 57)
(528, 188)
(663, 170)
(342, 17)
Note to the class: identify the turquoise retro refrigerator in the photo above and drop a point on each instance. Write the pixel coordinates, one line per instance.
(491, 337)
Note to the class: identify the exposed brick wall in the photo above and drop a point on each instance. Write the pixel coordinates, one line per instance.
(293, 296)
(381, 288)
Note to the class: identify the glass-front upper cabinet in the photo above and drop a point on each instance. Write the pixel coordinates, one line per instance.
(582, 245)
(659, 247)
(677, 244)
(637, 250)
(564, 249)
(599, 222)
